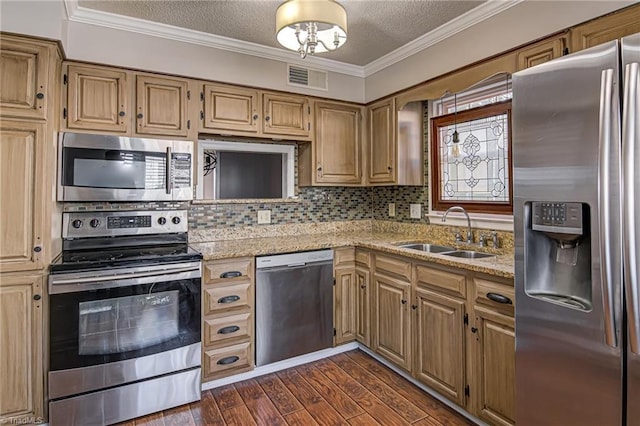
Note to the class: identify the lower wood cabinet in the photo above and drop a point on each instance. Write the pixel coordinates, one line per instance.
(363, 305)
(227, 317)
(21, 349)
(345, 299)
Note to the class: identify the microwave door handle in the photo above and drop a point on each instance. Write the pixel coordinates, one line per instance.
(169, 178)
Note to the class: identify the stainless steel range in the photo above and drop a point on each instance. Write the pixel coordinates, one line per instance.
(124, 317)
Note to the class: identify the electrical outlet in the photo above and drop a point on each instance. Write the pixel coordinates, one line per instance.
(264, 217)
(415, 210)
(392, 209)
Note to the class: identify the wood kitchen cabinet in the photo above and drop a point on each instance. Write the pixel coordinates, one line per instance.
(230, 108)
(541, 52)
(363, 305)
(24, 72)
(228, 340)
(161, 106)
(286, 115)
(382, 165)
(604, 29)
(345, 295)
(21, 354)
(334, 158)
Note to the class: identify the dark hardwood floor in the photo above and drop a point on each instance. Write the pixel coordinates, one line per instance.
(345, 389)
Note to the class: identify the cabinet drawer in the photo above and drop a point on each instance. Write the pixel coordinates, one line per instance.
(497, 295)
(394, 266)
(221, 270)
(223, 297)
(223, 329)
(363, 257)
(443, 280)
(229, 358)
(344, 256)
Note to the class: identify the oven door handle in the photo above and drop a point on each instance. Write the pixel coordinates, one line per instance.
(73, 285)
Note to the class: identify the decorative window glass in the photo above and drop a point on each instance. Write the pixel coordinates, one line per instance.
(470, 151)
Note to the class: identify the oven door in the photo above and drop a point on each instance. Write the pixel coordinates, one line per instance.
(113, 168)
(106, 330)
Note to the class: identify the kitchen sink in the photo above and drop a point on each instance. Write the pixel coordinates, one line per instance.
(468, 254)
(429, 248)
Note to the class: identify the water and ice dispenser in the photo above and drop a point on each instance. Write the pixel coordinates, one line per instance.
(558, 253)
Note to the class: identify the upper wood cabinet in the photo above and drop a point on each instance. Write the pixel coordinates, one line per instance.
(21, 358)
(24, 73)
(541, 52)
(229, 108)
(286, 115)
(98, 98)
(382, 165)
(607, 28)
(161, 106)
(337, 153)
(23, 194)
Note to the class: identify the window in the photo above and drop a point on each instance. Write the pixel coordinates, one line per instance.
(470, 150)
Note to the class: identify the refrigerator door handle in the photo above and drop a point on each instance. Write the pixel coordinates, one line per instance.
(631, 203)
(606, 139)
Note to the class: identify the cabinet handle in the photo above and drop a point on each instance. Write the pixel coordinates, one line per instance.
(229, 299)
(404, 302)
(40, 95)
(474, 330)
(140, 115)
(228, 360)
(37, 297)
(255, 116)
(122, 114)
(499, 298)
(231, 274)
(229, 329)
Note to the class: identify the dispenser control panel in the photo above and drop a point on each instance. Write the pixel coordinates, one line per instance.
(562, 218)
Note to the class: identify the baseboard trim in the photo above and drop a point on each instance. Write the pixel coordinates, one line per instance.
(281, 365)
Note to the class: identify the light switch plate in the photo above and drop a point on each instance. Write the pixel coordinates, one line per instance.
(392, 209)
(264, 217)
(415, 210)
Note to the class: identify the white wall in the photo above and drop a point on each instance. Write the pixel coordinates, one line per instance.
(37, 18)
(522, 23)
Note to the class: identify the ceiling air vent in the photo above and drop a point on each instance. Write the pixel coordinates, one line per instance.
(305, 77)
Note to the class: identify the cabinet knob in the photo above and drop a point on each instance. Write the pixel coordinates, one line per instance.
(414, 307)
(474, 330)
(404, 302)
(389, 168)
(267, 118)
(140, 115)
(37, 249)
(319, 168)
(255, 116)
(121, 113)
(40, 95)
(37, 297)
(363, 286)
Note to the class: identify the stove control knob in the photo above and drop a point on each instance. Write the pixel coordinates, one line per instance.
(77, 224)
(175, 220)
(162, 221)
(94, 223)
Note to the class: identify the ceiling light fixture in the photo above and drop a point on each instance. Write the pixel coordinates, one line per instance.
(311, 26)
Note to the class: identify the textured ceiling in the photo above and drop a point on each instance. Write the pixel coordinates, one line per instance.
(375, 27)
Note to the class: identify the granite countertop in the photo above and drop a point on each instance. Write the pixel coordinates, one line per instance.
(502, 265)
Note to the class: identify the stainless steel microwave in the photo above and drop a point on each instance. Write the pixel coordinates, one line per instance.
(119, 168)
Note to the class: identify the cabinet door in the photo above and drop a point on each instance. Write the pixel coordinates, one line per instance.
(607, 28)
(22, 195)
(337, 144)
(286, 115)
(345, 305)
(494, 360)
(391, 329)
(21, 387)
(24, 69)
(363, 309)
(382, 143)
(230, 108)
(439, 344)
(97, 99)
(161, 105)
(541, 52)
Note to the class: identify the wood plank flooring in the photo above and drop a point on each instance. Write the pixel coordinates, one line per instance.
(348, 389)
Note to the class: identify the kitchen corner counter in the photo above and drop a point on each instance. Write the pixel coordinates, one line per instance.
(502, 265)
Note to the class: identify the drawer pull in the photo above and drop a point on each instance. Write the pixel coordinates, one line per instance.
(499, 298)
(231, 274)
(228, 329)
(228, 360)
(229, 299)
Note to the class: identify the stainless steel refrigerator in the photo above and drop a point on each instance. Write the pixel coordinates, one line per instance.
(576, 160)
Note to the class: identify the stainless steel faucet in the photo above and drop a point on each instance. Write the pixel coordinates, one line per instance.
(461, 209)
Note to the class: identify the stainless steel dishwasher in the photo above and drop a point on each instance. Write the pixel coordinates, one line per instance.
(294, 305)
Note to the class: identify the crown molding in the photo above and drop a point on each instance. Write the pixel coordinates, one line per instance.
(474, 16)
(486, 10)
(77, 13)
